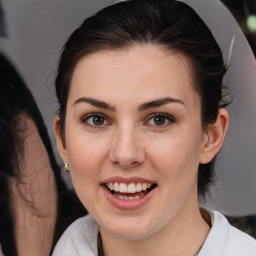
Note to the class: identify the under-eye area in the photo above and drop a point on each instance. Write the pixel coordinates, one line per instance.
(129, 191)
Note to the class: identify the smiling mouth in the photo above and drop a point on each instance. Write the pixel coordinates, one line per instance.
(129, 191)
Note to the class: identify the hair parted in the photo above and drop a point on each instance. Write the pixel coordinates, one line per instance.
(170, 24)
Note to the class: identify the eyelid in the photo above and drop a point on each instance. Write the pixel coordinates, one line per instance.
(84, 119)
(169, 117)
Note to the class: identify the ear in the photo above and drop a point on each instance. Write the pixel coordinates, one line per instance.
(214, 137)
(60, 143)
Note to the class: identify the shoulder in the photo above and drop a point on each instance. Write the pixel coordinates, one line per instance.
(224, 239)
(241, 243)
(80, 238)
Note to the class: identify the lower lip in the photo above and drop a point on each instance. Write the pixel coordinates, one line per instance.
(127, 204)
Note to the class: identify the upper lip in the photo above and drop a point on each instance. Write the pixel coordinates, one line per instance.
(127, 180)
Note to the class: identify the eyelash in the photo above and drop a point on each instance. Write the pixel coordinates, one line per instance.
(167, 117)
(85, 119)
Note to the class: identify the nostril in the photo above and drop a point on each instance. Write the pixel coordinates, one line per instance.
(135, 163)
(126, 164)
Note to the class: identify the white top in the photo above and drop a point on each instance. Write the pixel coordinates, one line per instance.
(223, 239)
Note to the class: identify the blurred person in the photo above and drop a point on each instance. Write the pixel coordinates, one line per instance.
(32, 192)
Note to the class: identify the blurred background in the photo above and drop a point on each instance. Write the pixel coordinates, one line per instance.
(244, 12)
(32, 33)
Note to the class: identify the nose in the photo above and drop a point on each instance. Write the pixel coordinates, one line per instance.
(126, 148)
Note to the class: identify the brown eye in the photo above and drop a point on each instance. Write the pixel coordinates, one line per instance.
(161, 119)
(95, 120)
(98, 120)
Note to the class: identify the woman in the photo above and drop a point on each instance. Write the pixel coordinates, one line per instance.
(32, 195)
(141, 119)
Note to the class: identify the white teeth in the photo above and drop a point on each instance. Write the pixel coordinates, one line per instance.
(120, 197)
(128, 188)
(111, 186)
(139, 187)
(123, 188)
(131, 188)
(116, 187)
(129, 197)
(144, 186)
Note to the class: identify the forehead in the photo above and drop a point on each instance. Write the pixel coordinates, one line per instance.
(143, 70)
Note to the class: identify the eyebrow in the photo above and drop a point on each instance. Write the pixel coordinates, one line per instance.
(95, 103)
(159, 103)
(142, 107)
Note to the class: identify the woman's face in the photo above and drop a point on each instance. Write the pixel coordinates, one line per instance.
(133, 139)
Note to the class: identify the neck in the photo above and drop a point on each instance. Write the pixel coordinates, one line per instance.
(184, 235)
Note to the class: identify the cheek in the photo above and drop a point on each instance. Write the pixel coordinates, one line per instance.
(86, 159)
(86, 156)
(176, 157)
(176, 162)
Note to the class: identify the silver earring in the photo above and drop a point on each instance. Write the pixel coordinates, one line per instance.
(66, 166)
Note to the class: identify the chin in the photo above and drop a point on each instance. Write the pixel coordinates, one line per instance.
(128, 228)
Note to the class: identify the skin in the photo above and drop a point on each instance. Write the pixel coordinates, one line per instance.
(129, 143)
(34, 199)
